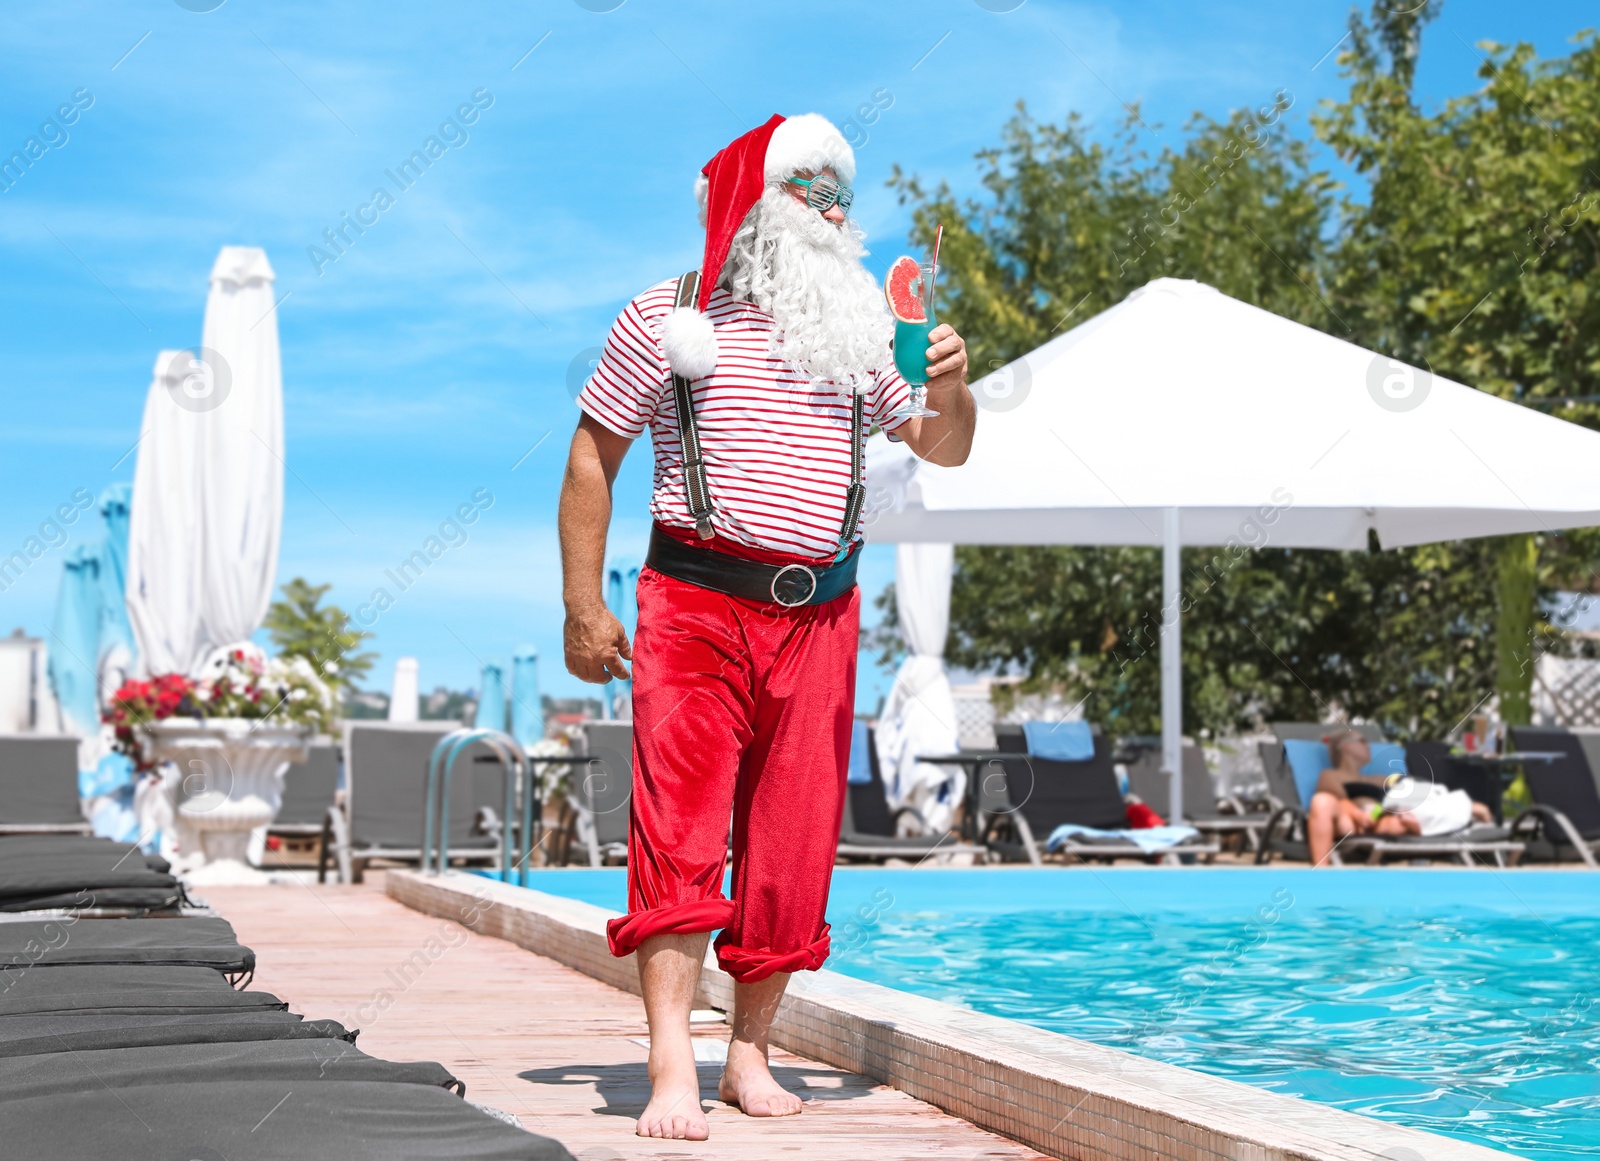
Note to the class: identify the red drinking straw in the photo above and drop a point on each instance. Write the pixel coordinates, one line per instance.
(933, 278)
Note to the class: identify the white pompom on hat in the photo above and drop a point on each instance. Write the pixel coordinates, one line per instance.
(727, 188)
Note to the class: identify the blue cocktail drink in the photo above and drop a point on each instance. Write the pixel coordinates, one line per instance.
(911, 303)
(911, 350)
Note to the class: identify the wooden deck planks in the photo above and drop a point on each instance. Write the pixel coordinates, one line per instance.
(535, 1038)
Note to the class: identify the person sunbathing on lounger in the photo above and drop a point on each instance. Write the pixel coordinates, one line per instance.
(1339, 807)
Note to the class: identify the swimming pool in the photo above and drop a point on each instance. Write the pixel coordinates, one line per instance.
(1459, 1002)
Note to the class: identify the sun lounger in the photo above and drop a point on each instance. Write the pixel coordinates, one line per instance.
(1202, 809)
(1465, 846)
(265, 1121)
(39, 785)
(1564, 821)
(1285, 831)
(125, 988)
(192, 942)
(600, 795)
(128, 1039)
(309, 791)
(47, 1032)
(868, 827)
(1589, 742)
(386, 771)
(1037, 795)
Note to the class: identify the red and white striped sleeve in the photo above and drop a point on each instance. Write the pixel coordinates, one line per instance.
(889, 392)
(627, 386)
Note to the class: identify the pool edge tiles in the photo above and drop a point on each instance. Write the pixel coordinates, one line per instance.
(1063, 1096)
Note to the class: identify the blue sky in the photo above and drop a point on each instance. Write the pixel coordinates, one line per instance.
(433, 358)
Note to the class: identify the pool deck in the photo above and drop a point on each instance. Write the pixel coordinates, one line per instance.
(550, 1044)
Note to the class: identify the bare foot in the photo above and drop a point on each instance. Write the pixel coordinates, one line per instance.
(747, 1083)
(674, 1110)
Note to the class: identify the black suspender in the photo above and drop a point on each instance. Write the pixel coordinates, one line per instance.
(857, 494)
(694, 465)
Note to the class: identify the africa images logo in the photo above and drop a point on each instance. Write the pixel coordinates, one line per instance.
(1397, 386)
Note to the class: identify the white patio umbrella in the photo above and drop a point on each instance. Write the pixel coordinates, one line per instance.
(1184, 417)
(208, 484)
(241, 464)
(163, 593)
(919, 715)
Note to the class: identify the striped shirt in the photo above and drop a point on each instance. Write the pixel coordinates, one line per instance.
(777, 449)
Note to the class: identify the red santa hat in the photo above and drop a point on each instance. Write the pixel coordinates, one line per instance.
(728, 187)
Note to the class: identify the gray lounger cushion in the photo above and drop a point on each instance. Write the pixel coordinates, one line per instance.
(288, 1061)
(125, 988)
(200, 942)
(86, 898)
(79, 1031)
(75, 872)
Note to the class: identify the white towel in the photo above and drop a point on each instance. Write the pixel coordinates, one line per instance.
(1437, 810)
(1150, 839)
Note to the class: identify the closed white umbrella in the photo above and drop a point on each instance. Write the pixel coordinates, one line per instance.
(1184, 417)
(163, 584)
(919, 715)
(403, 693)
(241, 464)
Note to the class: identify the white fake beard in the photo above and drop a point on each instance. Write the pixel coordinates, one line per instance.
(829, 315)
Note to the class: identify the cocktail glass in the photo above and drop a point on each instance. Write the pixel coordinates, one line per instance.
(911, 350)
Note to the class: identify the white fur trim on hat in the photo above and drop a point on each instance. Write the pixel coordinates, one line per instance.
(702, 186)
(690, 342)
(811, 142)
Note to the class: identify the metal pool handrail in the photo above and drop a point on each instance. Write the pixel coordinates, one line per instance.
(436, 797)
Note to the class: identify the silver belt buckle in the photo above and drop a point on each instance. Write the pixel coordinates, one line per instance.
(810, 592)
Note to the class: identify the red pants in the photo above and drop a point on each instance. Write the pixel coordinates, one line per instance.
(745, 709)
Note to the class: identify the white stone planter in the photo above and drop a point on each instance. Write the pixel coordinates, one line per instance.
(230, 781)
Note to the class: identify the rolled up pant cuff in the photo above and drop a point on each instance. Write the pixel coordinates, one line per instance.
(626, 932)
(750, 964)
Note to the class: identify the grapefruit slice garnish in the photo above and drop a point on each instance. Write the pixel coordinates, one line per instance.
(903, 288)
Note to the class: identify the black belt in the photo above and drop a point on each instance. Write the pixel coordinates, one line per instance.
(789, 585)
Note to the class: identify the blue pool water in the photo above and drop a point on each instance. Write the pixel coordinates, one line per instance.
(1460, 1002)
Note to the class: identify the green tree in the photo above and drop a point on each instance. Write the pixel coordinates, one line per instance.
(1475, 254)
(301, 626)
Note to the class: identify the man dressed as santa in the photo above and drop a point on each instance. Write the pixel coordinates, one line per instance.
(757, 381)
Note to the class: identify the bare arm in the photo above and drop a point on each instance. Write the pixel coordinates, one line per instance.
(596, 644)
(946, 438)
